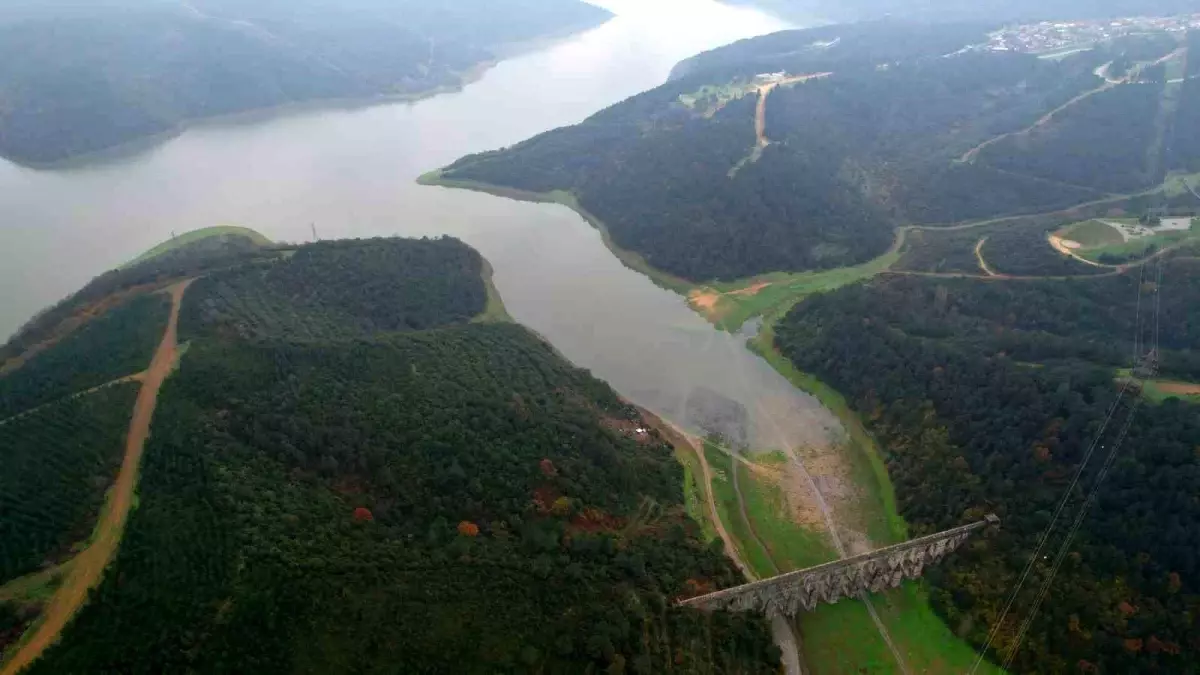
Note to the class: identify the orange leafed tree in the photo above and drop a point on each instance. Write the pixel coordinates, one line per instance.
(468, 529)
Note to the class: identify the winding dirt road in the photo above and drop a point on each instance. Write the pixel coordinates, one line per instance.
(979, 256)
(87, 568)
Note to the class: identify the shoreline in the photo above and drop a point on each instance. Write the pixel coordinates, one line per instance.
(763, 345)
(139, 144)
(135, 146)
(630, 259)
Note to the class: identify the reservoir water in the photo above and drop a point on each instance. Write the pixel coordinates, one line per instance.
(351, 172)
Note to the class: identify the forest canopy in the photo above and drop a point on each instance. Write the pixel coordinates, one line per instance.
(900, 123)
(985, 397)
(347, 475)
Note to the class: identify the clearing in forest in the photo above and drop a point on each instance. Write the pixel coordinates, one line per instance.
(728, 305)
(1158, 391)
(1126, 240)
(87, 568)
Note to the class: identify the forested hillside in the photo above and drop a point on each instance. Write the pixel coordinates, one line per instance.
(58, 461)
(985, 396)
(901, 124)
(341, 289)
(1102, 143)
(346, 475)
(216, 248)
(117, 344)
(82, 77)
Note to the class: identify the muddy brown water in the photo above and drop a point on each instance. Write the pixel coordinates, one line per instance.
(351, 172)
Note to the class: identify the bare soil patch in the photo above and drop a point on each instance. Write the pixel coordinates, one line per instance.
(803, 507)
(704, 300)
(1179, 388)
(1059, 244)
(87, 568)
(751, 290)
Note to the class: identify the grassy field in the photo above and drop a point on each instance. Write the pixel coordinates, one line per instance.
(1092, 233)
(790, 546)
(199, 235)
(1157, 391)
(727, 509)
(1139, 247)
(774, 294)
(494, 312)
(712, 97)
(694, 491)
(842, 638)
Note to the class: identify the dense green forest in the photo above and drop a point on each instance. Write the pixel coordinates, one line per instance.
(985, 396)
(909, 128)
(114, 345)
(341, 289)
(82, 77)
(1100, 143)
(58, 461)
(412, 492)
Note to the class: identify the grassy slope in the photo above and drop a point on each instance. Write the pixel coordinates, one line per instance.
(1140, 246)
(785, 290)
(1091, 233)
(495, 311)
(1152, 389)
(727, 509)
(198, 235)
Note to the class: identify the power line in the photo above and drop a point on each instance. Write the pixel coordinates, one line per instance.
(1065, 548)
(1045, 536)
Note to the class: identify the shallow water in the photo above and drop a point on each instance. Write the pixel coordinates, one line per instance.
(351, 172)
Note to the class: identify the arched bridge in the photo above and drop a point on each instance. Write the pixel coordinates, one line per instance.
(788, 594)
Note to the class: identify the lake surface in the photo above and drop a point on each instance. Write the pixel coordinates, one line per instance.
(351, 173)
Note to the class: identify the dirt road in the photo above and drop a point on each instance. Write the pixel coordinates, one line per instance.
(760, 114)
(979, 256)
(88, 567)
(781, 631)
(136, 377)
(970, 155)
